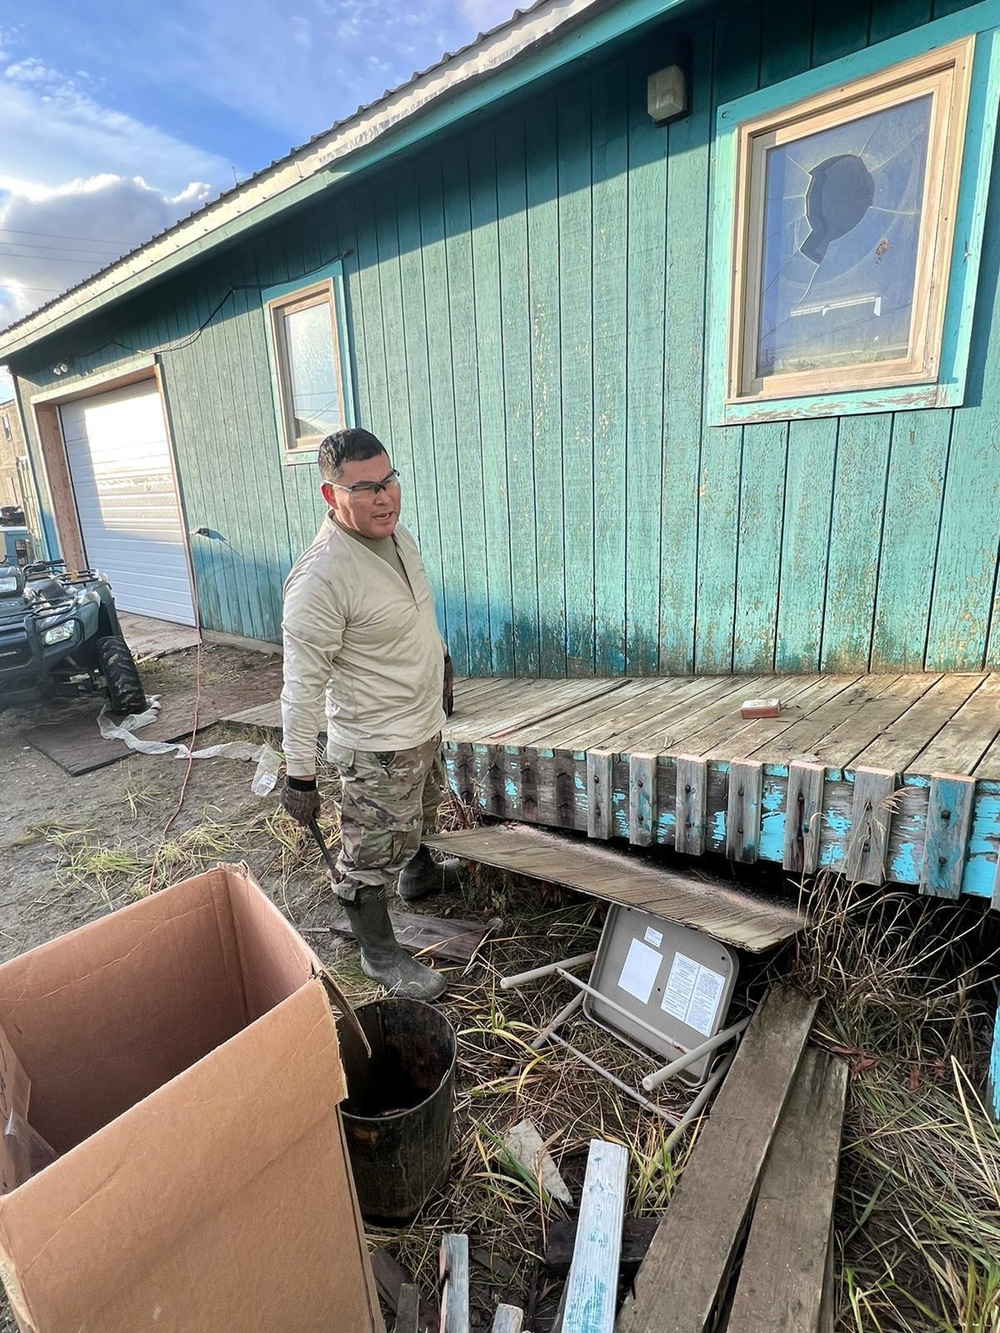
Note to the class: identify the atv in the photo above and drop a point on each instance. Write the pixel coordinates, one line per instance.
(60, 634)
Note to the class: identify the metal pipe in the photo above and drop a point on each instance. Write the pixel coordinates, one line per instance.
(698, 1104)
(606, 1073)
(619, 1009)
(654, 1080)
(537, 973)
(567, 1011)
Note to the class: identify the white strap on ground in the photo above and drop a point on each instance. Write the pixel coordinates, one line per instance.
(267, 759)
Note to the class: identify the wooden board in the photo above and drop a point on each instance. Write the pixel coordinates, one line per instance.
(969, 734)
(390, 1278)
(949, 819)
(710, 905)
(746, 780)
(638, 702)
(683, 712)
(806, 736)
(899, 744)
(689, 1261)
(592, 1285)
(841, 746)
(871, 813)
(782, 1276)
(755, 736)
(576, 716)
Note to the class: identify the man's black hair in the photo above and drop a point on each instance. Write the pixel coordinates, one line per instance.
(347, 446)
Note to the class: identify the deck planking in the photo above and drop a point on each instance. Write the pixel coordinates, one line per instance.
(520, 750)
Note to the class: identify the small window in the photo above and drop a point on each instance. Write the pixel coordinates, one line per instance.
(309, 368)
(5, 422)
(834, 276)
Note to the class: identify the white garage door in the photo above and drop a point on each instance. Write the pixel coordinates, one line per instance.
(123, 479)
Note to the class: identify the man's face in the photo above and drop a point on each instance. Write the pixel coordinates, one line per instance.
(365, 511)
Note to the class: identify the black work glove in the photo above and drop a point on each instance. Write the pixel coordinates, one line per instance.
(448, 698)
(301, 799)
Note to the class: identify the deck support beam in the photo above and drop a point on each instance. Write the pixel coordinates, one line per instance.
(746, 784)
(803, 813)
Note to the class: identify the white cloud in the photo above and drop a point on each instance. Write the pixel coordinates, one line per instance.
(81, 182)
(51, 239)
(53, 132)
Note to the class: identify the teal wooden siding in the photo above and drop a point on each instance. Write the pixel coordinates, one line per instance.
(527, 312)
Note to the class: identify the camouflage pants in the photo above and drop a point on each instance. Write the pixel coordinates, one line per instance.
(389, 799)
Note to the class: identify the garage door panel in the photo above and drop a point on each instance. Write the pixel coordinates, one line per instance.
(126, 500)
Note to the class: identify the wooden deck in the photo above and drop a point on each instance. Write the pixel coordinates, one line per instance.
(890, 777)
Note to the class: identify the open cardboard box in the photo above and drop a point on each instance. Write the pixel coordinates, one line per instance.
(181, 1059)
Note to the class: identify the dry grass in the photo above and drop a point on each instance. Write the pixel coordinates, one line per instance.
(909, 989)
(908, 986)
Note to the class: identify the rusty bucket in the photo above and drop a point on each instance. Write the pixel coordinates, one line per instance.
(400, 1104)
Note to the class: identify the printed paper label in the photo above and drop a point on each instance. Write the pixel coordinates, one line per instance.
(692, 994)
(653, 937)
(639, 973)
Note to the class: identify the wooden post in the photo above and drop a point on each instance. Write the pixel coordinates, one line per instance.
(408, 1310)
(454, 1283)
(692, 804)
(803, 812)
(746, 785)
(592, 1285)
(949, 819)
(600, 793)
(509, 1319)
(641, 798)
(868, 836)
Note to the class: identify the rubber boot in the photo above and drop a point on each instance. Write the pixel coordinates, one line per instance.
(382, 957)
(423, 876)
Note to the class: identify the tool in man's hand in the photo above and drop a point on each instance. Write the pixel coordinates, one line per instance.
(331, 864)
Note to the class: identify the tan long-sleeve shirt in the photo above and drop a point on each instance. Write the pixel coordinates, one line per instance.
(362, 645)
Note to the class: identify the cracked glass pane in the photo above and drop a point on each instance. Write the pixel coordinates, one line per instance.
(842, 217)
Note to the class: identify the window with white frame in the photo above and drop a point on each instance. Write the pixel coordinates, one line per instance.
(838, 289)
(309, 365)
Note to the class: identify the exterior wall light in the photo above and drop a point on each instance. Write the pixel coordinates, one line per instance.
(666, 95)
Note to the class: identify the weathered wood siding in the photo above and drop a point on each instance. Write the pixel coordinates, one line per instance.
(527, 308)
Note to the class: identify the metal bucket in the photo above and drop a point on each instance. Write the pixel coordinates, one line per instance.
(400, 1104)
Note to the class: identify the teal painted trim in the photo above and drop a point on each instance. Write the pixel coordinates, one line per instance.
(984, 97)
(994, 1082)
(334, 274)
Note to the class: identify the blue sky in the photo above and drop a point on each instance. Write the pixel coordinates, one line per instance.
(119, 118)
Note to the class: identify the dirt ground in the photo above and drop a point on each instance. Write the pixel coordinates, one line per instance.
(73, 848)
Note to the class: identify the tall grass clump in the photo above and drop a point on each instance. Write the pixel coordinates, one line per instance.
(908, 989)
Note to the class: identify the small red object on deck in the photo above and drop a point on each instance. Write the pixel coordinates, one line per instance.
(760, 708)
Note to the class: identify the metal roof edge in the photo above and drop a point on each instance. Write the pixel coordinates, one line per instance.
(553, 32)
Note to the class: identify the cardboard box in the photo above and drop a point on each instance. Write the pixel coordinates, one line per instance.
(180, 1057)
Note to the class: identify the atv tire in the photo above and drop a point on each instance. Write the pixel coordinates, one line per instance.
(121, 676)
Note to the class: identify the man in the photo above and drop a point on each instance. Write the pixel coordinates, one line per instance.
(360, 634)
